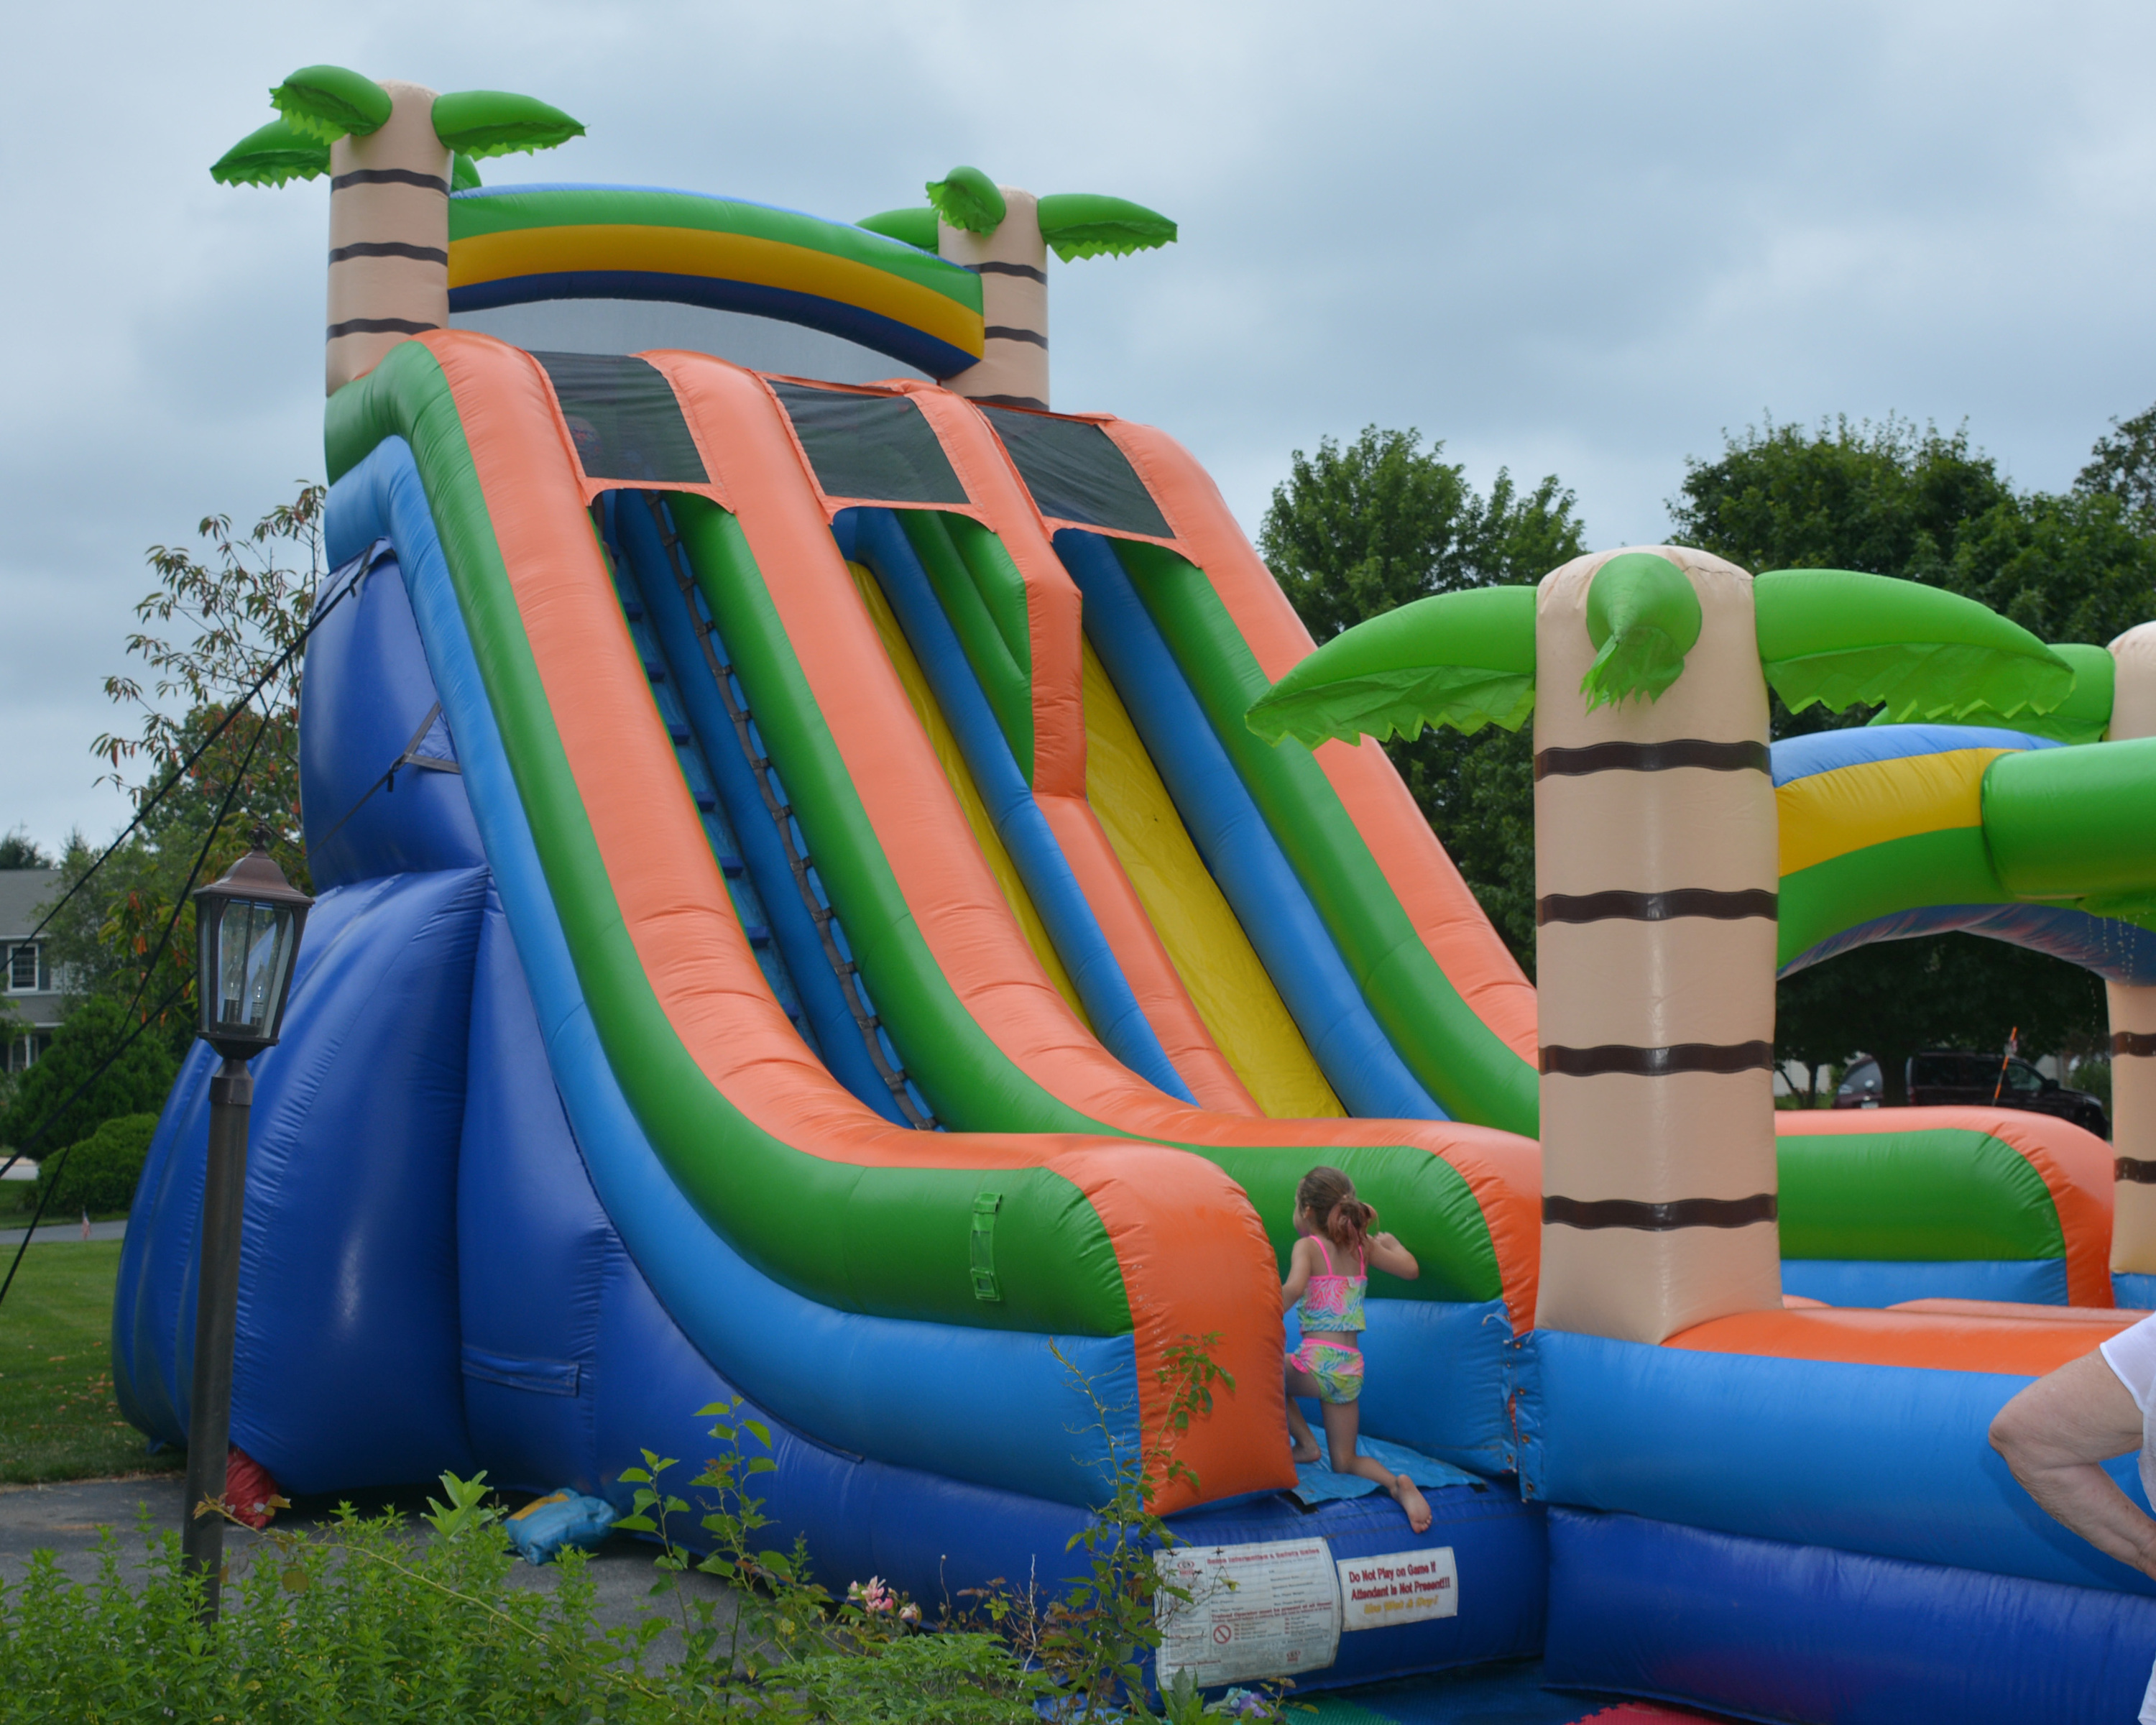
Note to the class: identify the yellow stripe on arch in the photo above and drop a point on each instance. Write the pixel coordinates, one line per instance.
(650, 249)
(1830, 814)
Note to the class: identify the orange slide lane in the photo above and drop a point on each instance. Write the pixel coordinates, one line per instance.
(2075, 1166)
(1437, 901)
(1192, 1256)
(953, 898)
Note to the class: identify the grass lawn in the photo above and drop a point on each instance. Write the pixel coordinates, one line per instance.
(58, 1418)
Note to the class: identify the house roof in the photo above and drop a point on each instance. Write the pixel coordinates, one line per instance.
(24, 894)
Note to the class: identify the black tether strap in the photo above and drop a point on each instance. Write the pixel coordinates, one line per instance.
(427, 763)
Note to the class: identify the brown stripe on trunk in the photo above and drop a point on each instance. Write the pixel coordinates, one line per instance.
(380, 326)
(390, 176)
(1615, 905)
(1659, 1218)
(2133, 1045)
(391, 249)
(1659, 1062)
(2133, 1171)
(1653, 758)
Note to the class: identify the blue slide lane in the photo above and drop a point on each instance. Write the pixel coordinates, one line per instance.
(985, 1405)
(1291, 941)
(838, 1036)
(877, 540)
(1892, 1460)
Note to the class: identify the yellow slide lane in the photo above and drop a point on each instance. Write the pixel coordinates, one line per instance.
(962, 781)
(1207, 945)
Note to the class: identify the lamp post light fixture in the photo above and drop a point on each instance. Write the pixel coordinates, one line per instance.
(248, 929)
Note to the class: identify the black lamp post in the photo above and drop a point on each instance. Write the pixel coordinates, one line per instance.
(248, 926)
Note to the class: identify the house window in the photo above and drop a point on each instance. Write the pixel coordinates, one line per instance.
(22, 969)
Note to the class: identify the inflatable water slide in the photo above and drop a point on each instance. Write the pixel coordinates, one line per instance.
(808, 918)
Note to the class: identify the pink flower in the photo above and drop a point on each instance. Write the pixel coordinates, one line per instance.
(909, 1613)
(871, 1595)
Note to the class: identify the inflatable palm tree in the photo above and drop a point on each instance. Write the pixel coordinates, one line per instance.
(393, 152)
(1656, 867)
(1004, 235)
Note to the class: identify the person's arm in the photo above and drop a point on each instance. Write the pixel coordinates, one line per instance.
(1298, 1274)
(1389, 1255)
(2054, 1433)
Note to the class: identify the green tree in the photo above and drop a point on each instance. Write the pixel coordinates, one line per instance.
(2124, 465)
(1356, 531)
(1928, 507)
(215, 624)
(20, 850)
(135, 1083)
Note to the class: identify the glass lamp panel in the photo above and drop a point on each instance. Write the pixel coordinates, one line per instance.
(251, 937)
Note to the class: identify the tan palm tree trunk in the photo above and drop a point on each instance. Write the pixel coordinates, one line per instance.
(1655, 876)
(1012, 262)
(2133, 1010)
(389, 236)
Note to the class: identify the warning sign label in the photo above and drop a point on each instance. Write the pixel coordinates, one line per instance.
(1376, 1593)
(1260, 1610)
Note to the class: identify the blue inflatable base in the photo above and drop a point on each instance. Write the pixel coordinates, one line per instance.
(2135, 1293)
(2032, 1281)
(1763, 1630)
(1499, 1548)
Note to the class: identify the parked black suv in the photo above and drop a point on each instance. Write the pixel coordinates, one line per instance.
(1954, 1077)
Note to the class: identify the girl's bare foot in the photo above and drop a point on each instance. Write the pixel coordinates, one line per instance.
(1304, 1451)
(1412, 1502)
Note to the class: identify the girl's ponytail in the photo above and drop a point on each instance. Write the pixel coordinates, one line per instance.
(1329, 1195)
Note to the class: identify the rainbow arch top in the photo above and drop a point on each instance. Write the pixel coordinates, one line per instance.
(513, 245)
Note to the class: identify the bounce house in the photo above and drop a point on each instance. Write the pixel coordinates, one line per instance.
(851, 891)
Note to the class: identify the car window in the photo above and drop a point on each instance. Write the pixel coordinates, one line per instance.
(1862, 1079)
(1935, 1069)
(2023, 1077)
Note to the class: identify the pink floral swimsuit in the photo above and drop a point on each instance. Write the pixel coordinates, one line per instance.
(1332, 1304)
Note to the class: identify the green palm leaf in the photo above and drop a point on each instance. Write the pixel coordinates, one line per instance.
(915, 226)
(495, 122)
(968, 198)
(1465, 660)
(326, 102)
(1837, 638)
(271, 154)
(1086, 224)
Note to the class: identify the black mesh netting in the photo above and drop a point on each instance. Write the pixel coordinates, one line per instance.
(624, 419)
(877, 448)
(1076, 472)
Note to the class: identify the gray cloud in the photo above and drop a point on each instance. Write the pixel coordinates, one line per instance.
(1570, 238)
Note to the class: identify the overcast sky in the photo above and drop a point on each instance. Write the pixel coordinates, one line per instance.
(1583, 239)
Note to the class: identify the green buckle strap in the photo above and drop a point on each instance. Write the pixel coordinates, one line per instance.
(984, 1246)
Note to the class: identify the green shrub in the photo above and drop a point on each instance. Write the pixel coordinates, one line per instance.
(99, 1173)
(136, 1083)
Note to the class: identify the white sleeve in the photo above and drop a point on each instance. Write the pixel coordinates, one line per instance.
(2132, 1355)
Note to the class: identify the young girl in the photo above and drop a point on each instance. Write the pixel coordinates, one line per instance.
(1335, 1226)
